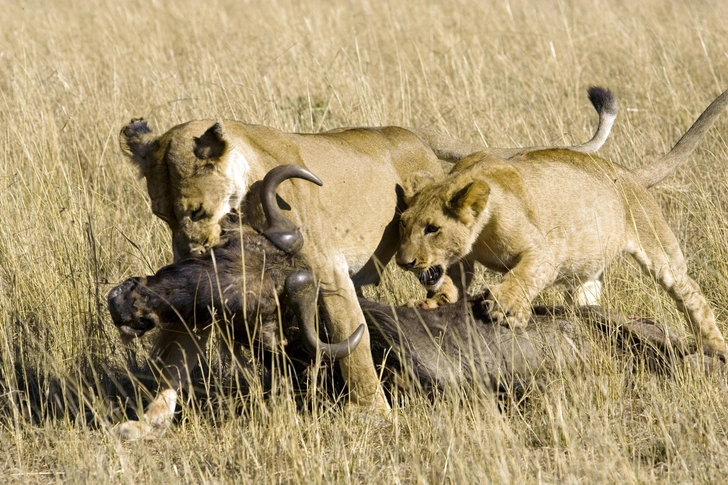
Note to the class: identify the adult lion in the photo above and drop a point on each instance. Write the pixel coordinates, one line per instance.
(198, 171)
(549, 217)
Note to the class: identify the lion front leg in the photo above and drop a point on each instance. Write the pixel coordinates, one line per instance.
(343, 317)
(508, 306)
(509, 302)
(179, 355)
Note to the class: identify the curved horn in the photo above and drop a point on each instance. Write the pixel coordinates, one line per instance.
(282, 232)
(301, 291)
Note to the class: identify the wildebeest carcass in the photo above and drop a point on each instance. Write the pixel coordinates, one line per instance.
(269, 298)
(461, 344)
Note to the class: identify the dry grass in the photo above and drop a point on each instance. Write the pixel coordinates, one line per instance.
(75, 221)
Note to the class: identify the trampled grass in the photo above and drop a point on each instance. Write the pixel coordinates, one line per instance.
(76, 221)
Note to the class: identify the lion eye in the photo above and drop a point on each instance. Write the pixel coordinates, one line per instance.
(197, 214)
(430, 229)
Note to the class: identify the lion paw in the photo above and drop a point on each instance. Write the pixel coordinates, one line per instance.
(427, 303)
(509, 319)
(139, 430)
(507, 316)
(715, 343)
(435, 301)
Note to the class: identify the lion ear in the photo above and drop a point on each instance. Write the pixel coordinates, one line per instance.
(136, 140)
(468, 202)
(415, 182)
(212, 144)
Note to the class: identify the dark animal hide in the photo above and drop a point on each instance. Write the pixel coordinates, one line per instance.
(456, 344)
(239, 281)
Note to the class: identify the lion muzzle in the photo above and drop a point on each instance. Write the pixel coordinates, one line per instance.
(431, 276)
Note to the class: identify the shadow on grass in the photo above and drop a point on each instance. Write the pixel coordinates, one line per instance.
(103, 394)
(428, 352)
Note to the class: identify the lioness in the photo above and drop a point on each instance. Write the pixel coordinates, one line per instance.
(196, 172)
(549, 217)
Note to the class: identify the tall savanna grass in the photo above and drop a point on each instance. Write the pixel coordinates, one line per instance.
(75, 220)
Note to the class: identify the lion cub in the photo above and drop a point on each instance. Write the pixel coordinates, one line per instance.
(548, 217)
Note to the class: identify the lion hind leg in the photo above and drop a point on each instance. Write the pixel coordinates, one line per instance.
(665, 262)
(179, 354)
(588, 293)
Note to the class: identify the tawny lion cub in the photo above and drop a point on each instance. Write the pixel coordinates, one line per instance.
(549, 217)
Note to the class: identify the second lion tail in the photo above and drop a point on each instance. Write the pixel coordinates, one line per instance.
(665, 166)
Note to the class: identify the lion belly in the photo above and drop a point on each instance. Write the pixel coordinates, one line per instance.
(582, 229)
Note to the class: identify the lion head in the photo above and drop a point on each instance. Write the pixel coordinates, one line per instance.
(193, 178)
(441, 223)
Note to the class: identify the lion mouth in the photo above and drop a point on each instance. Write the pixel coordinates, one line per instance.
(431, 275)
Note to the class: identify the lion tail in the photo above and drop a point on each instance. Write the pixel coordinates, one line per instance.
(605, 104)
(665, 166)
(452, 150)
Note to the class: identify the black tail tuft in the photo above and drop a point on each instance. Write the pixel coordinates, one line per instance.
(603, 100)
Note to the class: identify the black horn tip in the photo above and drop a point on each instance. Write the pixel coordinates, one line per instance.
(290, 242)
(299, 280)
(282, 172)
(301, 292)
(355, 338)
(315, 180)
(281, 231)
(343, 349)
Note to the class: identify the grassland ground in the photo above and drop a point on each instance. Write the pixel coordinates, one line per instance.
(76, 220)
